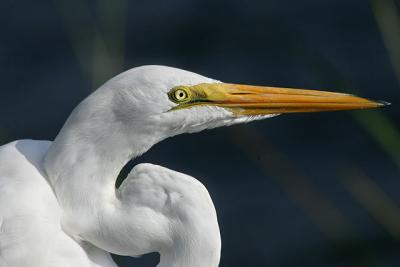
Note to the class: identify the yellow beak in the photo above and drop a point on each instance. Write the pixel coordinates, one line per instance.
(260, 100)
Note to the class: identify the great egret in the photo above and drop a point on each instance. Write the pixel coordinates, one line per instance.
(58, 201)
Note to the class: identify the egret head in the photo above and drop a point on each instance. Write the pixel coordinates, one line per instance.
(144, 105)
(176, 101)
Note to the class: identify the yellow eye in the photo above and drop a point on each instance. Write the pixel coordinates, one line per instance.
(179, 95)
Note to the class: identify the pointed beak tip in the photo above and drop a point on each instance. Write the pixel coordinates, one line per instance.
(382, 103)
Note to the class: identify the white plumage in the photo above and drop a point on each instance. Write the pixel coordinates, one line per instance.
(58, 201)
(30, 229)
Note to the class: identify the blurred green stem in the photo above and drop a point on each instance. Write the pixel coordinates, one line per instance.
(98, 43)
(108, 47)
(383, 130)
(374, 200)
(388, 19)
(330, 220)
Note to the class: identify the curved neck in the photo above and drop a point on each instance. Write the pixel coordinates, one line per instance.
(86, 157)
(82, 165)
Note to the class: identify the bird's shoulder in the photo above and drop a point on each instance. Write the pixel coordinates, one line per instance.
(21, 177)
(30, 231)
(20, 168)
(21, 150)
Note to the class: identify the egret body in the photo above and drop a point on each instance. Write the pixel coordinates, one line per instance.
(58, 201)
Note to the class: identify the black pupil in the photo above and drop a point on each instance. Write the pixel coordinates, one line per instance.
(181, 94)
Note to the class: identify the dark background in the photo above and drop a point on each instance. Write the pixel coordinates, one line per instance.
(298, 190)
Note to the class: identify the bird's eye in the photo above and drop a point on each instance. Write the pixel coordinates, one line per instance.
(179, 95)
